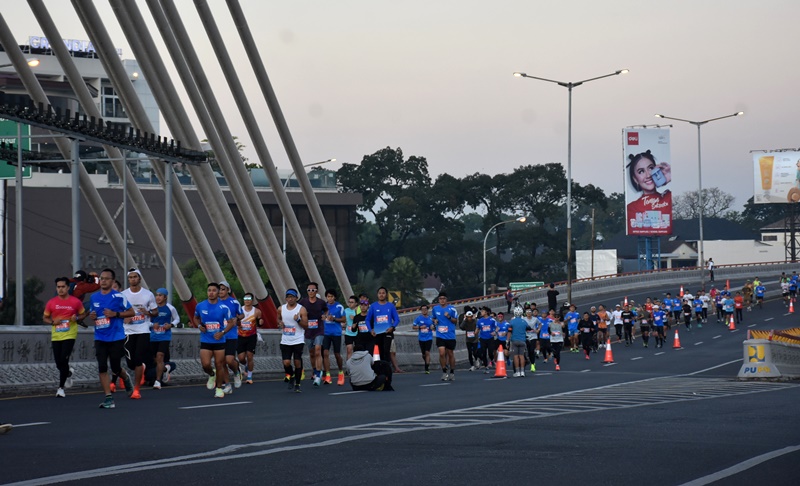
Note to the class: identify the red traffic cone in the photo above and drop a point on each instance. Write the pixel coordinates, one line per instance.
(500, 366)
(677, 343)
(681, 294)
(609, 356)
(732, 325)
(791, 306)
(625, 302)
(376, 354)
(728, 284)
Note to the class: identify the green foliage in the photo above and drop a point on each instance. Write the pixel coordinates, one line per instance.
(33, 308)
(404, 275)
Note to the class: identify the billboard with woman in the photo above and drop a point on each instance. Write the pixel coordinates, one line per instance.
(648, 200)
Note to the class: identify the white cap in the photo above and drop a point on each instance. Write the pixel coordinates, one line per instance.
(226, 284)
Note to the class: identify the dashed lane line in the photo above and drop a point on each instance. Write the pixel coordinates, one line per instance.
(698, 343)
(227, 404)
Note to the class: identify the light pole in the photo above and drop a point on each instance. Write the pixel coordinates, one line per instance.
(285, 185)
(521, 219)
(569, 85)
(698, 124)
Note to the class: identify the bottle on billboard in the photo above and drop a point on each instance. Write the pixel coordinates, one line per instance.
(766, 163)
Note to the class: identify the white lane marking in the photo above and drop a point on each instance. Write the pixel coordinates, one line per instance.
(742, 466)
(16, 426)
(638, 357)
(768, 319)
(752, 325)
(659, 353)
(585, 371)
(698, 343)
(714, 367)
(348, 392)
(214, 405)
(735, 330)
(437, 384)
(609, 364)
(716, 337)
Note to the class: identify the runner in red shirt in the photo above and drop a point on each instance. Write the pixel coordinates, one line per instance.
(63, 312)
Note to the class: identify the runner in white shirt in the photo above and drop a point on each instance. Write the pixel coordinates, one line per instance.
(292, 324)
(617, 317)
(705, 299)
(137, 328)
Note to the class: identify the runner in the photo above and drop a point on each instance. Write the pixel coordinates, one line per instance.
(469, 325)
(532, 336)
(364, 338)
(293, 318)
(644, 325)
(382, 319)
(698, 312)
(793, 282)
(602, 326)
(585, 328)
(728, 306)
(595, 318)
(315, 332)
(350, 329)
(738, 305)
(627, 323)
(687, 315)
(445, 317)
(214, 319)
(618, 323)
(137, 328)
(659, 316)
(572, 318)
(501, 337)
(161, 336)
(556, 329)
(63, 312)
(332, 337)
(108, 309)
(544, 334)
(423, 325)
(247, 335)
(518, 329)
(747, 293)
(486, 328)
(232, 338)
(784, 283)
(760, 290)
(718, 301)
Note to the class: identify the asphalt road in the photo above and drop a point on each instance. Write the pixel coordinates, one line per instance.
(656, 416)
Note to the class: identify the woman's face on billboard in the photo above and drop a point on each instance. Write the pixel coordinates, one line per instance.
(642, 174)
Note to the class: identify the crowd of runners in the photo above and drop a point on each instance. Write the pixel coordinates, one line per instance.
(135, 324)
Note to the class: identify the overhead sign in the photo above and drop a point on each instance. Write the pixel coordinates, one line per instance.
(524, 285)
(647, 172)
(777, 177)
(73, 45)
(8, 135)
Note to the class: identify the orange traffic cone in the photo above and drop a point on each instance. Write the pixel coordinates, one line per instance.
(728, 284)
(791, 306)
(626, 300)
(732, 325)
(609, 356)
(500, 365)
(677, 343)
(681, 294)
(376, 354)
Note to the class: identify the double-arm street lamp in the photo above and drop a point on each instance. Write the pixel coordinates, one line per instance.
(521, 219)
(698, 124)
(569, 85)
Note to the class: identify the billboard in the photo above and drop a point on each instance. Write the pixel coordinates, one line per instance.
(8, 135)
(776, 177)
(647, 172)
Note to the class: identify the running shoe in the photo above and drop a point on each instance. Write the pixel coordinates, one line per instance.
(533, 367)
(219, 393)
(522, 374)
(587, 356)
(113, 387)
(157, 385)
(327, 380)
(227, 388)
(128, 385)
(303, 376)
(472, 368)
(108, 402)
(287, 378)
(167, 370)
(237, 379)
(5, 428)
(69, 382)
(452, 377)
(297, 388)
(516, 375)
(486, 371)
(445, 377)
(340, 380)
(135, 395)
(317, 381)
(249, 378)
(60, 393)
(212, 382)
(558, 368)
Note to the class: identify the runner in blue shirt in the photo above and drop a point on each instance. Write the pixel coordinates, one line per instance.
(727, 306)
(350, 330)
(445, 317)
(423, 324)
(161, 335)
(659, 316)
(544, 335)
(698, 311)
(108, 308)
(572, 318)
(382, 319)
(760, 291)
(333, 320)
(518, 328)
(215, 320)
(486, 326)
(232, 337)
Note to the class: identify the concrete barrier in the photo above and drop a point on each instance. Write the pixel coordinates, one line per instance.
(764, 359)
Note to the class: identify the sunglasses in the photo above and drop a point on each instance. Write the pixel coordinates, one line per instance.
(311, 290)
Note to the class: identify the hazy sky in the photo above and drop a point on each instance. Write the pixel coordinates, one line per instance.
(435, 78)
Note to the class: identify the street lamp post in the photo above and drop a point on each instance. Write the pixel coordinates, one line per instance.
(569, 85)
(521, 219)
(698, 124)
(285, 185)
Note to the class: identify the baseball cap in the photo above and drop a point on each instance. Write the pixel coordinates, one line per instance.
(469, 314)
(226, 284)
(292, 292)
(163, 291)
(80, 274)
(136, 271)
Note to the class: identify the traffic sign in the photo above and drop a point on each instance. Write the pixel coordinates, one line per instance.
(525, 285)
(8, 135)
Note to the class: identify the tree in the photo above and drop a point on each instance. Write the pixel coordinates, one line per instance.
(755, 216)
(404, 275)
(214, 163)
(33, 308)
(716, 203)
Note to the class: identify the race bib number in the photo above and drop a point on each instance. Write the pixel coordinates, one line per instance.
(157, 329)
(382, 319)
(441, 329)
(545, 335)
(212, 326)
(486, 328)
(470, 334)
(137, 319)
(425, 330)
(102, 322)
(63, 326)
(313, 324)
(289, 331)
(247, 326)
(362, 327)
(501, 334)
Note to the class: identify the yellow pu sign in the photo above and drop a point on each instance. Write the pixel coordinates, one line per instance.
(755, 353)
